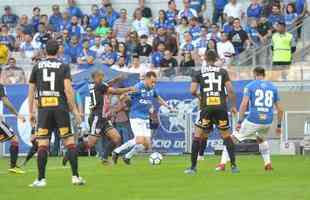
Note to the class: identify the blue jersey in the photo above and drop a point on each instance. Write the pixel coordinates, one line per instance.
(263, 95)
(142, 101)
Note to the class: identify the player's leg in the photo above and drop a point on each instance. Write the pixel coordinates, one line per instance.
(203, 147)
(6, 134)
(143, 134)
(63, 124)
(113, 141)
(203, 126)
(33, 150)
(142, 143)
(247, 131)
(139, 128)
(222, 122)
(264, 148)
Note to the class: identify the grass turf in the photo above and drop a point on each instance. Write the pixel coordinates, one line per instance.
(141, 181)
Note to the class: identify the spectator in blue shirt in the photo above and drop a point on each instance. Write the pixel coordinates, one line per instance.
(66, 20)
(73, 10)
(187, 11)
(73, 49)
(86, 57)
(255, 10)
(301, 7)
(158, 55)
(94, 17)
(35, 20)
(276, 16)
(109, 57)
(228, 26)
(65, 58)
(89, 35)
(291, 18)
(172, 12)
(26, 27)
(194, 28)
(254, 36)
(188, 45)
(111, 15)
(6, 38)
(74, 28)
(161, 21)
(103, 9)
(55, 19)
(200, 7)
(218, 11)
(9, 18)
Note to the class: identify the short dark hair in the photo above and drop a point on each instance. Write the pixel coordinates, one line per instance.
(96, 72)
(259, 71)
(52, 47)
(151, 74)
(211, 56)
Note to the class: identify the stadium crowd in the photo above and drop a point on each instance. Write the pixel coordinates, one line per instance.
(175, 39)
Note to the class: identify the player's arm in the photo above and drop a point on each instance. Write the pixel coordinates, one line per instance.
(231, 95)
(9, 105)
(280, 112)
(116, 80)
(70, 99)
(195, 86)
(243, 108)
(162, 102)
(120, 91)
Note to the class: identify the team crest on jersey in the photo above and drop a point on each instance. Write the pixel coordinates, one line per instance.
(174, 122)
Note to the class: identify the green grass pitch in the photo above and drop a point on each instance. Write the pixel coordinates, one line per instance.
(289, 181)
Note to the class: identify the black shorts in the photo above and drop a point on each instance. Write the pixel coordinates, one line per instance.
(99, 125)
(208, 118)
(6, 133)
(51, 119)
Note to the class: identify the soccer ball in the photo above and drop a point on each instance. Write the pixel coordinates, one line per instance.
(155, 158)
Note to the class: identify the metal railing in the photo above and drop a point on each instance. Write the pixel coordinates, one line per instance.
(263, 55)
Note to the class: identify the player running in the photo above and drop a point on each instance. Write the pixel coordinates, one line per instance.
(213, 82)
(141, 103)
(6, 133)
(98, 121)
(51, 79)
(260, 96)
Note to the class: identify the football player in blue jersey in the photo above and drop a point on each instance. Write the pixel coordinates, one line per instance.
(141, 104)
(260, 97)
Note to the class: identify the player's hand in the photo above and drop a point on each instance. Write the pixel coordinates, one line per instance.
(238, 126)
(234, 110)
(33, 138)
(132, 90)
(278, 131)
(21, 118)
(77, 117)
(32, 120)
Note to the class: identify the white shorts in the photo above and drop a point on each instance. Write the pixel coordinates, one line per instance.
(250, 131)
(140, 127)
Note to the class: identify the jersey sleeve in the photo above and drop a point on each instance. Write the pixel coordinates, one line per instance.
(67, 72)
(2, 91)
(104, 88)
(276, 96)
(246, 91)
(225, 76)
(33, 76)
(196, 76)
(155, 93)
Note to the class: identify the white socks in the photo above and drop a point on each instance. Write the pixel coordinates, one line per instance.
(137, 148)
(127, 145)
(225, 157)
(265, 151)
